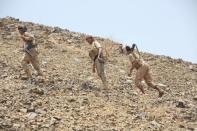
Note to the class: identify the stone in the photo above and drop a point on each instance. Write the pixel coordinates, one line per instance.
(37, 91)
(3, 101)
(4, 75)
(161, 85)
(156, 124)
(32, 109)
(57, 118)
(71, 99)
(191, 129)
(1, 24)
(181, 126)
(53, 121)
(76, 60)
(31, 115)
(64, 50)
(5, 124)
(16, 125)
(40, 111)
(23, 110)
(44, 62)
(122, 71)
(86, 85)
(134, 93)
(85, 101)
(70, 41)
(90, 78)
(140, 115)
(180, 104)
(129, 81)
(195, 98)
(191, 67)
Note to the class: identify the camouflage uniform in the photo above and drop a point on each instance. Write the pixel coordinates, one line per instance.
(31, 55)
(143, 72)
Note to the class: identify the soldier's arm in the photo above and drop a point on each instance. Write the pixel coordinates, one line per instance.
(27, 37)
(135, 55)
(98, 45)
(99, 53)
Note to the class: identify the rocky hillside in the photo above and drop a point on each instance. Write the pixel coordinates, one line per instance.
(72, 97)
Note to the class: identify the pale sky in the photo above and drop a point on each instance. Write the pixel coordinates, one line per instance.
(163, 27)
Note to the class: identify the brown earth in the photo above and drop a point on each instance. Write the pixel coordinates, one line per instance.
(72, 97)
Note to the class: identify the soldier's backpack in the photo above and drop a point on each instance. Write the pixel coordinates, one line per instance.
(93, 54)
(105, 54)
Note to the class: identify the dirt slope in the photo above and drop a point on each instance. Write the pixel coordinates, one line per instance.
(73, 99)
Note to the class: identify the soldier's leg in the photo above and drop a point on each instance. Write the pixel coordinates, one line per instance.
(36, 65)
(149, 82)
(24, 63)
(139, 77)
(101, 72)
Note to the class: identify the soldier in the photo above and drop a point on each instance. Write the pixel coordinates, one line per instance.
(143, 70)
(121, 51)
(31, 54)
(96, 54)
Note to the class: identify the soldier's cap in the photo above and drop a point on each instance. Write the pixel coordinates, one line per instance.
(22, 28)
(89, 37)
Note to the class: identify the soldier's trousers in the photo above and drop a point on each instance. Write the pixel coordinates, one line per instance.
(143, 73)
(100, 71)
(31, 58)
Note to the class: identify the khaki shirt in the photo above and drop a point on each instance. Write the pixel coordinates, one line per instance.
(96, 45)
(135, 60)
(29, 38)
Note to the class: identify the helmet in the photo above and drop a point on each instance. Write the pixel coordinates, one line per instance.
(22, 28)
